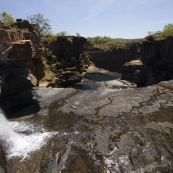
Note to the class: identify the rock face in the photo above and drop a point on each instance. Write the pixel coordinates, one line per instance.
(158, 52)
(109, 130)
(21, 67)
(68, 51)
(156, 65)
(68, 46)
(113, 61)
(2, 160)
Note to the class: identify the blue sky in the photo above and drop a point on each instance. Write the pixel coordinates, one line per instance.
(114, 18)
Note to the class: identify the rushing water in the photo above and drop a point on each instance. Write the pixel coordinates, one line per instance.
(21, 138)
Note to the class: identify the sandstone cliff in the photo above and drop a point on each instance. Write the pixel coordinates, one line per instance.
(156, 62)
(68, 63)
(114, 60)
(21, 65)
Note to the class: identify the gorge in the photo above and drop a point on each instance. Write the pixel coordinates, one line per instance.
(115, 128)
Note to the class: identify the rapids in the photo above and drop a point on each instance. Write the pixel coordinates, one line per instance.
(21, 138)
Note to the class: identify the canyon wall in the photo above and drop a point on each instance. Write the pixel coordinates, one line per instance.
(114, 60)
(21, 65)
(156, 62)
(68, 51)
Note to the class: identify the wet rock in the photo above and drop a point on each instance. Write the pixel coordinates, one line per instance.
(110, 130)
(2, 160)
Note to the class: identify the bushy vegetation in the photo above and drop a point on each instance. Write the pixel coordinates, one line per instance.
(6, 18)
(167, 31)
(48, 38)
(109, 44)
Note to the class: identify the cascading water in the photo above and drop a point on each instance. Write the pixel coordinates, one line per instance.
(21, 138)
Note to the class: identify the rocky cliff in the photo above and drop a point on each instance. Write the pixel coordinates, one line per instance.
(21, 65)
(155, 65)
(68, 52)
(114, 60)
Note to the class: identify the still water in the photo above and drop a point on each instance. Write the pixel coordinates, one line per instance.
(90, 80)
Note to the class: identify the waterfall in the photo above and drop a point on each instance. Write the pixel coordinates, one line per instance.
(20, 138)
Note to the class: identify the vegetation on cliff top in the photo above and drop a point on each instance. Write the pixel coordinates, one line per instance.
(108, 44)
(167, 31)
(6, 18)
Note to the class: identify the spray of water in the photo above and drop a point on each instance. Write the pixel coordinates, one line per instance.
(21, 138)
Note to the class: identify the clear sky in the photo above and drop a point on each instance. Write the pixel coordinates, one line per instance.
(114, 18)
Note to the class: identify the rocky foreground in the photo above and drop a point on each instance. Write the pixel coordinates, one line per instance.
(103, 131)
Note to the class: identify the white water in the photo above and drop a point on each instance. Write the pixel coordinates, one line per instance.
(21, 138)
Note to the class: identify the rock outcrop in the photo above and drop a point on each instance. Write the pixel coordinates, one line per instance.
(68, 51)
(21, 66)
(158, 52)
(109, 130)
(156, 63)
(2, 160)
(114, 60)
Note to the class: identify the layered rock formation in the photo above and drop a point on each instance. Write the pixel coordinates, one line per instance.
(114, 60)
(21, 66)
(155, 65)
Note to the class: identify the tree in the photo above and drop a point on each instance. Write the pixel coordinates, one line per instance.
(168, 29)
(77, 34)
(42, 25)
(6, 18)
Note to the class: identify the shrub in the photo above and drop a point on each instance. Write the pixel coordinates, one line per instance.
(53, 66)
(107, 43)
(70, 40)
(49, 37)
(167, 31)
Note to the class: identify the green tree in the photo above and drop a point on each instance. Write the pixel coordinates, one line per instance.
(168, 29)
(6, 18)
(42, 25)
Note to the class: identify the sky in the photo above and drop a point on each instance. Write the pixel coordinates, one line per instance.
(113, 18)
